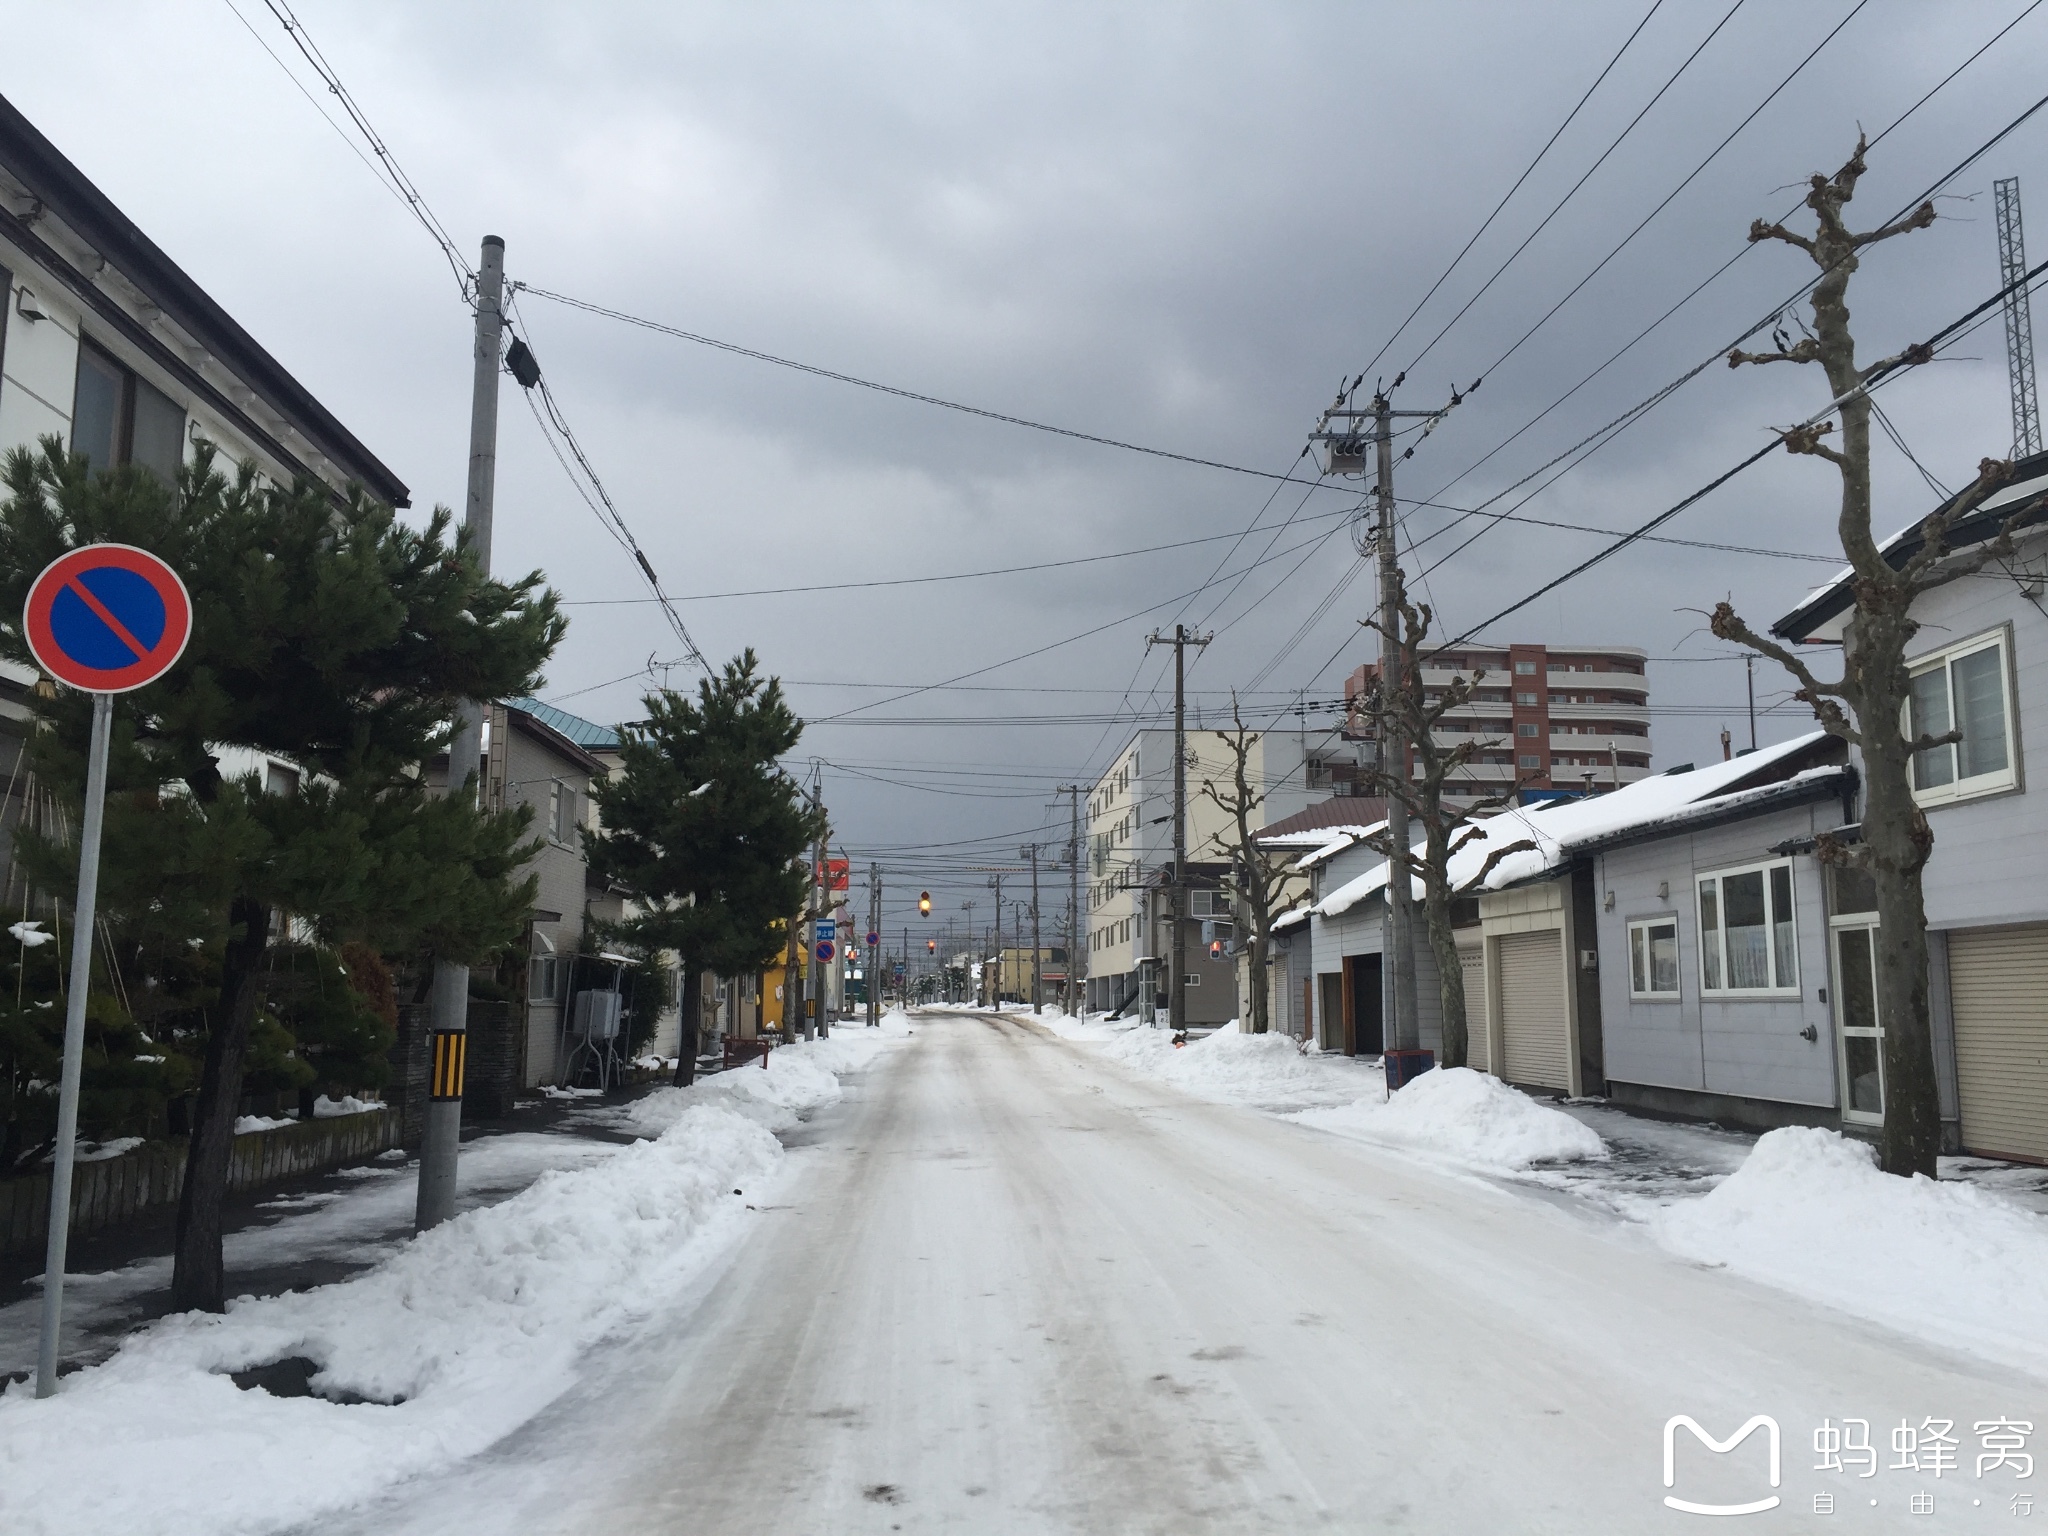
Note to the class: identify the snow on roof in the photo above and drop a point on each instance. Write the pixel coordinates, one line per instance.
(1293, 917)
(1345, 838)
(1561, 826)
(2019, 490)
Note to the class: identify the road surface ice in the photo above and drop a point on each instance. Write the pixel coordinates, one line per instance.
(1009, 1286)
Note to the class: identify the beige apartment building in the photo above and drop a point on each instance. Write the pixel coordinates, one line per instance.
(1130, 863)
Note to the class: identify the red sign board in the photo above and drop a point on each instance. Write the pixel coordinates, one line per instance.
(107, 618)
(836, 874)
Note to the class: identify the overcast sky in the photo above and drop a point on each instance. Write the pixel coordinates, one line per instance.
(1174, 225)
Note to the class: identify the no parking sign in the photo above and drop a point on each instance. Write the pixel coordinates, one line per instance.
(107, 618)
(104, 619)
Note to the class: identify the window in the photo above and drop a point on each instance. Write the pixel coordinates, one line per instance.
(562, 821)
(1191, 979)
(1529, 728)
(117, 418)
(1532, 762)
(1963, 689)
(1526, 698)
(1747, 941)
(1653, 958)
(279, 780)
(1525, 669)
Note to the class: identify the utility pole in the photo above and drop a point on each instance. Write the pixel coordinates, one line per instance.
(874, 951)
(968, 924)
(821, 903)
(995, 995)
(1749, 673)
(1037, 954)
(1346, 455)
(1177, 897)
(1077, 965)
(448, 1005)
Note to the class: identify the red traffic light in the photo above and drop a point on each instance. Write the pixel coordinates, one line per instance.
(930, 946)
(1215, 949)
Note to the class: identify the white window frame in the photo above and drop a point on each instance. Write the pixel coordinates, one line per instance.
(2002, 780)
(1720, 877)
(1656, 995)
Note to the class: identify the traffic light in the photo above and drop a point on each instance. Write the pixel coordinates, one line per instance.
(924, 903)
(931, 946)
(1215, 949)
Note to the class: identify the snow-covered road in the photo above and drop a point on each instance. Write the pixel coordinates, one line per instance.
(1006, 1287)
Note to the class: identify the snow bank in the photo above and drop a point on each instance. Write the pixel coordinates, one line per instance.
(325, 1108)
(246, 1125)
(468, 1331)
(1810, 1212)
(1268, 1070)
(1465, 1117)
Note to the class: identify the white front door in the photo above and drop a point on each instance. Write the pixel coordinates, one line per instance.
(1856, 1022)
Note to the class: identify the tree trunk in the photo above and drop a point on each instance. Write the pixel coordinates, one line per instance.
(687, 1025)
(1450, 972)
(1897, 842)
(198, 1277)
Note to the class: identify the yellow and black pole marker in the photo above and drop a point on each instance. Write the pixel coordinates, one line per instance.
(451, 1055)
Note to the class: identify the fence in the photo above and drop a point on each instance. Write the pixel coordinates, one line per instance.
(110, 1191)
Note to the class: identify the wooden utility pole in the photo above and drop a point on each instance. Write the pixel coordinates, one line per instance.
(1177, 896)
(874, 951)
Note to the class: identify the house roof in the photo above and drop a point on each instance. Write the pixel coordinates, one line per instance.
(527, 723)
(1337, 812)
(1977, 514)
(63, 193)
(584, 733)
(1804, 767)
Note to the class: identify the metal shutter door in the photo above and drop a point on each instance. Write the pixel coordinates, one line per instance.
(1473, 963)
(1998, 981)
(1533, 1033)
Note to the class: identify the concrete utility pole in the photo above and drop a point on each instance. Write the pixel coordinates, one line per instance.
(1406, 1033)
(967, 923)
(874, 951)
(995, 995)
(1077, 949)
(448, 1005)
(821, 903)
(1177, 896)
(1345, 449)
(1037, 954)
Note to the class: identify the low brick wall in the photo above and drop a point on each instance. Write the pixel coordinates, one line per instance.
(114, 1190)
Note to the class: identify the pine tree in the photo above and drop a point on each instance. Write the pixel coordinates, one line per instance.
(325, 633)
(706, 832)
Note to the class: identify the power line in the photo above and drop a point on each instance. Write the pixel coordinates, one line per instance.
(1641, 408)
(902, 394)
(604, 507)
(1528, 171)
(1744, 250)
(912, 581)
(1903, 362)
(465, 277)
(1559, 206)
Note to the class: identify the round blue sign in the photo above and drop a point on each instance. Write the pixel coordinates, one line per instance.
(826, 949)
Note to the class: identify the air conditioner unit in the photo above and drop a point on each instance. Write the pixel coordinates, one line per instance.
(596, 1016)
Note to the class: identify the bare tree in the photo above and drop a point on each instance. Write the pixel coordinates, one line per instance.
(1254, 878)
(1870, 705)
(1411, 727)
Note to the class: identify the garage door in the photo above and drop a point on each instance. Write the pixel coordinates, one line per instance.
(1473, 963)
(1998, 982)
(1534, 1043)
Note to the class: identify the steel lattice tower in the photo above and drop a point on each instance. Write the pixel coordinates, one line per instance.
(2019, 320)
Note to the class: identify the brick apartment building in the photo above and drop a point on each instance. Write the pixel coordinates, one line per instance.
(1568, 720)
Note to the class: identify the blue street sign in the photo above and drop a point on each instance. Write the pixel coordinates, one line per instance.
(825, 928)
(873, 938)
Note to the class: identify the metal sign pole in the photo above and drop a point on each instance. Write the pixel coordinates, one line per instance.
(74, 1041)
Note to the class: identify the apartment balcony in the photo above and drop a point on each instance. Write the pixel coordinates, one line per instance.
(1578, 743)
(1633, 713)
